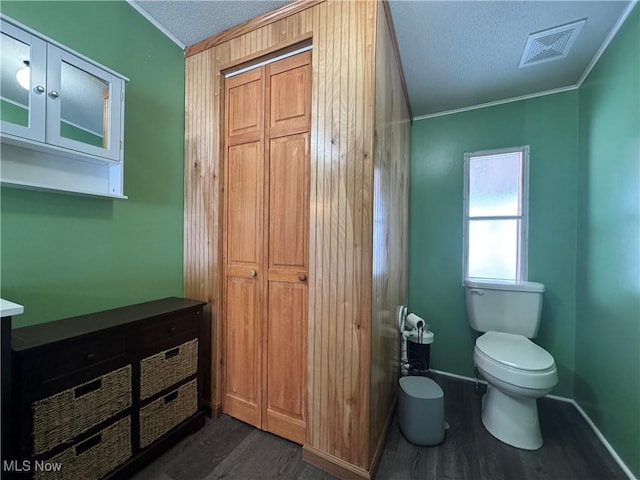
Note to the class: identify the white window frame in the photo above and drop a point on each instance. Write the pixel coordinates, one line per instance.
(523, 244)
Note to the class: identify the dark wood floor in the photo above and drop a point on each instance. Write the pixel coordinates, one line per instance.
(227, 448)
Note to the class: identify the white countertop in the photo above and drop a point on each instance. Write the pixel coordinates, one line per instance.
(8, 309)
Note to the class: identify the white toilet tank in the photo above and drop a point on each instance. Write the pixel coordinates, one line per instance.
(503, 306)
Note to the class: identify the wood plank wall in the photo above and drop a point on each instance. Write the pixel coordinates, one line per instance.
(341, 230)
(390, 231)
(342, 247)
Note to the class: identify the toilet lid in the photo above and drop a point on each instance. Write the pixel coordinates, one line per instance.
(515, 351)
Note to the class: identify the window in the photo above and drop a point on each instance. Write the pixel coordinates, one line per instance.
(495, 214)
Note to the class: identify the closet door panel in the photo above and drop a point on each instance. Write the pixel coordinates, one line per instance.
(286, 409)
(288, 101)
(289, 203)
(290, 95)
(245, 111)
(241, 347)
(243, 248)
(244, 205)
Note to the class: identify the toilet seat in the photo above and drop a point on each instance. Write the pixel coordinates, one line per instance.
(516, 360)
(515, 351)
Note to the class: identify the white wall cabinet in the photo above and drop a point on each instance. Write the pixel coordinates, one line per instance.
(61, 117)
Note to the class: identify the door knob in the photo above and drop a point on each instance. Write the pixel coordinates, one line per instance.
(38, 89)
(253, 273)
(54, 94)
(302, 277)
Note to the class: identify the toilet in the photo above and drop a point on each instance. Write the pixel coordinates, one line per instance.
(517, 371)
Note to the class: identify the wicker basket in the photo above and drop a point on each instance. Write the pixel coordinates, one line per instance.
(162, 415)
(63, 416)
(166, 368)
(91, 459)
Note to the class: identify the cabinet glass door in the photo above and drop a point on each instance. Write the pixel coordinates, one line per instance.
(84, 109)
(22, 83)
(83, 106)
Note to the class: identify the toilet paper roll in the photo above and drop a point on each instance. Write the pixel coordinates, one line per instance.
(414, 321)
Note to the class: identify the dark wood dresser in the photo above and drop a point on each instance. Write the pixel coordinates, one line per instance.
(100, 395)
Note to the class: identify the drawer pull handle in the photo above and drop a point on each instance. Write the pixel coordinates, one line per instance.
(172, 353)
(172, 330)
(84, 446)
(88, 388)
(90, 357)
(171, 397)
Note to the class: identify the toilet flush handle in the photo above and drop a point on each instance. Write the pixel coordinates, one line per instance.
(476, 291)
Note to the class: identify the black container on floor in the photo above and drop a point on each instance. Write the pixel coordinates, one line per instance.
(418, 356)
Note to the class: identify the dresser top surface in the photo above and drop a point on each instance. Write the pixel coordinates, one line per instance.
(37, 335)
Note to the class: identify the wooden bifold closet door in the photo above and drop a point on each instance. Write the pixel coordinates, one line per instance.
(266, 245)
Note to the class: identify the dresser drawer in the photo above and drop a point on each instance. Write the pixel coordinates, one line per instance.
(162, 415)
(162, 334)
(69, 357)
(94, 457)
(61, 417)
(168, 367)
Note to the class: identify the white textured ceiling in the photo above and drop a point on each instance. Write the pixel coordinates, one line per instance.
(455, 54)
(193, 20)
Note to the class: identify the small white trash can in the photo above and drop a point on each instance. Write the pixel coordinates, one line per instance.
(421, 411)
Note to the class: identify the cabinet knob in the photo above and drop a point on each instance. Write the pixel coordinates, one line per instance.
(54, 94)
(90, 357)
(172, 330)
(302, 277)
(39, 89)
(253, 273)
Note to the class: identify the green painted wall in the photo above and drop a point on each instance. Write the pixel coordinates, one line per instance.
(63, 255)
(607, 381)
(549, 125)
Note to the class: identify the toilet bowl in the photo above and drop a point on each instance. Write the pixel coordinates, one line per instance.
(518, 372)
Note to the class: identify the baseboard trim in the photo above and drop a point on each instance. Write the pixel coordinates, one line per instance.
(575, 404)
(333, 465)
(604, 441)
(377, 455)
(459, 377)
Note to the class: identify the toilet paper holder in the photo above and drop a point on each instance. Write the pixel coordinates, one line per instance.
(416, 330)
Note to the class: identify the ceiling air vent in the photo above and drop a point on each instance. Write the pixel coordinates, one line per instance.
(550, 44)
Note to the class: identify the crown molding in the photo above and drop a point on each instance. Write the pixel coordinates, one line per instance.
(607, 41)
(156, 24)
(497, 102)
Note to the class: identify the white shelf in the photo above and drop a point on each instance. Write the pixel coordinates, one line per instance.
(46, 188)
(9, 139)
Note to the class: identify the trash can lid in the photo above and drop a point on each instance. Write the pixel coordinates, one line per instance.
(421, 387)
